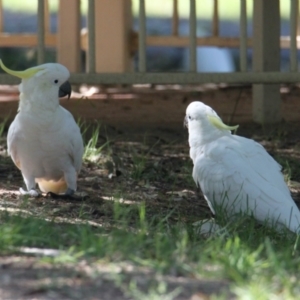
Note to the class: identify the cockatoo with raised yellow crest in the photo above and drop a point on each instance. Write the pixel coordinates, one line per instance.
(44, 140)
(237, 174)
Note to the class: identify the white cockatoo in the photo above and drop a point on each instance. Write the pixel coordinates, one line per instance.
(236, 174)
(44, 140)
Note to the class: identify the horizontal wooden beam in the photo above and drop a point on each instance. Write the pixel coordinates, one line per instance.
(142, 108)
(174, 78)
(216, 41)
(30, 40)
(25, 40)
(183, 41)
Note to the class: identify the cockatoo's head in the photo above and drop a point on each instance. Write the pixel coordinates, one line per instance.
(45, 82)
(204, 123)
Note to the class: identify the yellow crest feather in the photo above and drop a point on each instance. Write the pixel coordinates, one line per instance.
(217, 122)
(21, 74)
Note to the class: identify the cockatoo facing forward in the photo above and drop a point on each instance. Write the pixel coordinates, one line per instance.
(43, 140)
(236, 174)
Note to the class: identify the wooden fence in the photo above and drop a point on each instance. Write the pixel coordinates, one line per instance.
(108, 41)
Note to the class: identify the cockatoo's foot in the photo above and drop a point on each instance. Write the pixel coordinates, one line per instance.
(208, 228)
(69, 195)
(30, 193)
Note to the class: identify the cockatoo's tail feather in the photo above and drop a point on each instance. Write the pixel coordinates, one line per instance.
(217, 122)
(21, 74)
(56, 187)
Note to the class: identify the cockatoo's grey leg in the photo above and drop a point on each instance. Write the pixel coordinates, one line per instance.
(69, 192)
(70, 177)
(30, 184)
(71, 180)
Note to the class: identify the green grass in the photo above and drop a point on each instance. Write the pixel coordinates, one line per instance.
(157, 243)
(229, 9)
(92, 149)
(2, 126)
(140, 163)
(257, 261)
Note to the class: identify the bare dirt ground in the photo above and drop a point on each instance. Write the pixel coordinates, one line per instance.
(144, 166)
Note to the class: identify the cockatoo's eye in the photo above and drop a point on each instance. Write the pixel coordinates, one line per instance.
(55, 81)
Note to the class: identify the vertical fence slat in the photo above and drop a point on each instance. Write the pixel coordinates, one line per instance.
(193, 36)
(142, 37)
(215, 24)
(175, 18)
(293, 35)
(68, 34)
(243, 36)
(47, 17)
(1, 16)
(91, 37)
(41, 32)
(266, 98)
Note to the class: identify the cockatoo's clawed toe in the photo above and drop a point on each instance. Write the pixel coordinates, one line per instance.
(31, 193)
(208, 228)
(68, 195)
(69, 192)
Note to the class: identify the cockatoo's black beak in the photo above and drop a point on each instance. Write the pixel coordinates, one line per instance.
(65, 89)
(185, 122)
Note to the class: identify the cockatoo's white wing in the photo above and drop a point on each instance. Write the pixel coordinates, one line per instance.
(12, 137)
(62, 139)
(74, 143)
(63, 145)
(75, 146)
(240, 176)
(47, 151)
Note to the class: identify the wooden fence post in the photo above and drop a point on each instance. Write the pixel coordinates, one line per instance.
(266, 57)
(113, 25)
(68, 34)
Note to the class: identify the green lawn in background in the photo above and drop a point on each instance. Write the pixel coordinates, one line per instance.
(229, 9)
